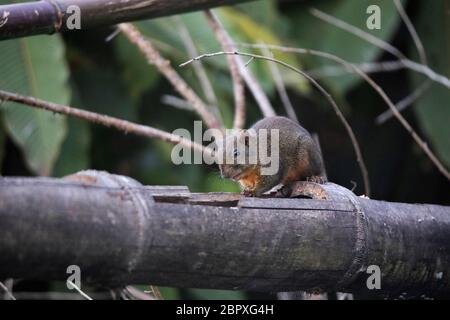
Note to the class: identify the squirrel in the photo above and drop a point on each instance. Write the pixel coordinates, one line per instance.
(298, 157)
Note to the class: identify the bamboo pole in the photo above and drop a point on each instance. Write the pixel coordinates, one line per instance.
(47, 17)
(120, 232)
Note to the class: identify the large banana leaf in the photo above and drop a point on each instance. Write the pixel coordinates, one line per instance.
(433, 109)
(35, 66)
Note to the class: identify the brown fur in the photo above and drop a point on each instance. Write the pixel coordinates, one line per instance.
(299, 159)
(298, 172)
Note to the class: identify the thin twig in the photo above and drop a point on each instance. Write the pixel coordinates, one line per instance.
(238, 86)
(176, 102)
(281, 88)
(427, 71)
(347, 126)
(255, 88)
(367, 67)
(156, 293)
(248, 62)
(404, 62)
(112, 35)
(154, 57)
(205, 83)
(253, 85)
(404, 103)
(78, 290)
(358, 32)
(119, 124)
(421, 143)
(412, 31)
(7, 292)
(412, 65)
(411, 98)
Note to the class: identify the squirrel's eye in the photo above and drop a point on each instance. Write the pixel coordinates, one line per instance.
(236, 152)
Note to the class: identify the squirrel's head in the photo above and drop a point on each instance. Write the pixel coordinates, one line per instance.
(234, 154)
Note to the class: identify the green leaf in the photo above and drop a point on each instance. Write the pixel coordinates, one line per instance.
(137, 73)
(75, 150)
(432, 109)
(244, 29)
(241, 27)
(74, 154)
(169, 293)
(102, 90)
(214, 183)
(310, 32)
(35, 66)
(207, 294)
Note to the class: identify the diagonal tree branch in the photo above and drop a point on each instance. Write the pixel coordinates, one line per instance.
(205, 83)
(412, 65)
(238, 85)
(154, 57)
(119, 124)
(281, 88)
(420, 90)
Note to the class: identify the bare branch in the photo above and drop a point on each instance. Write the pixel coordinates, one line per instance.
(154, 290)
(153, 57)
(238, 87)
(279, 84)
(7, 291)
(119, 124)
(404, 103)
(418, 67)
(384, 66)
(347, 126)
(199, 69)
(78, 289)
(258, 93)
(412, 31)
(421, 143)
(367, 67)
(358, 32)
(176, 102)
(411, 98)
(253, 85)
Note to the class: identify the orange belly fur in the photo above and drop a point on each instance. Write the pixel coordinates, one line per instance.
(250, 178)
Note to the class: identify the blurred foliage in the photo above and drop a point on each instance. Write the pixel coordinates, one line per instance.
(85, 71)
(314, 33)
(433, 111)
(35, 66)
